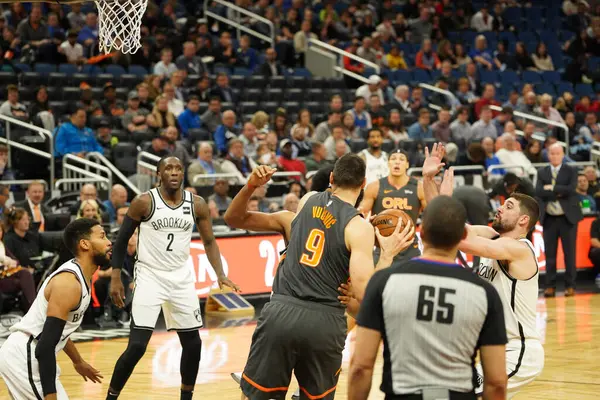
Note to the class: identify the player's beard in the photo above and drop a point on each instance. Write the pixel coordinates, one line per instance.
(360, 198)
(502, 227)
(101, 260)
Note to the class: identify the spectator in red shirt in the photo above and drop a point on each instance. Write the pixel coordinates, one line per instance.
(349, 63)
(427, 58)
(487, 99)
(287, 162)
(585, 105)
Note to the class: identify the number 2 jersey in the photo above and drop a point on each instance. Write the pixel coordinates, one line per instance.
(165, 235)
(317, 260)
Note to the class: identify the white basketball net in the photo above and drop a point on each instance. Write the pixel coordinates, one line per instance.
(119, 24)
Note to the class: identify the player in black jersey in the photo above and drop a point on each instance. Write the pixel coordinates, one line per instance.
(328, 245)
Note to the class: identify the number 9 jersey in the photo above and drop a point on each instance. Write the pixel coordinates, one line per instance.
(165, 235)
(317, 259)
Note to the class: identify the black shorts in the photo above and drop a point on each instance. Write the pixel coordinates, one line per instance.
(293, 334)
(411, 252)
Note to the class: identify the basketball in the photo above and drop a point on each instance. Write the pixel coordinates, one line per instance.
(387, 220)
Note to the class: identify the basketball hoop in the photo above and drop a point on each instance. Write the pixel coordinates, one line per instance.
(119, 23)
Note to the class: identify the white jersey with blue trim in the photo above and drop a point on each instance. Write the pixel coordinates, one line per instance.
(165, 235)
(33, 322)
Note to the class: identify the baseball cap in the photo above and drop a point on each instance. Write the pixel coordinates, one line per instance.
(284, 142)
(133, 95)
(374, 80)
(108, 85)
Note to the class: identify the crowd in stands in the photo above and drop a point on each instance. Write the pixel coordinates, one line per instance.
(224, 105)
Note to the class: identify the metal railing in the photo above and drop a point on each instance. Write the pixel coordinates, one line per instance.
(447, 93)
(342, 53)
(239, 177)
(574, 164)
(49, 155)
(493, 168)
(237, 25)
(546, 121)
(100, 159)
(147, 169)
(76, 170)
(26, 182)
(69, 182)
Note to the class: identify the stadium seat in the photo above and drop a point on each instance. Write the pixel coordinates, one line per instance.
(130, 81)
(292, 107)
(137, 70)
(71, 94)
(357, 145)
(59, 107)
(68, 69)
(44, 69)
(256, 82)
(402, 77)
(273, 94)
(252, 95)
(563, 87)
(488, 76)
(531, 77)
(248, 107)
(8, 78)
(584, 89)
(421, 76)
(278, 82)
(115, 70)
(551, 76)
(508, 77)
(388, 146)
(296, 95)
(199, 135)
(302, 72)
(242, 71)
(545, 87)
(269, 106)
(314, 107)
(34, 78)
(58, 79)
(125, 156)
(316, 95)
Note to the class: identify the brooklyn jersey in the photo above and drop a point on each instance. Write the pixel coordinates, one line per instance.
(376, 167)
(33, 322)
(165, 235)
(317, 259)
(519, 297)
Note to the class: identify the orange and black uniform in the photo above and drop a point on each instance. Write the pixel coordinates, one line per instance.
(303, 327)
(406, 199)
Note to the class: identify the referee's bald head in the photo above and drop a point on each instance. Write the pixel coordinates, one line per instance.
(443, 225)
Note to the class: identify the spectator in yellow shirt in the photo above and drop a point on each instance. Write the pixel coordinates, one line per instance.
(395, 60)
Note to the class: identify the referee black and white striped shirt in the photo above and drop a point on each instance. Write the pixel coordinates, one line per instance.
(433, 317)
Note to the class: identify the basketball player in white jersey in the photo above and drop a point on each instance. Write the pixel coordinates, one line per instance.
(28, 357)
(165, 217)
(375, 158)
(510, 265)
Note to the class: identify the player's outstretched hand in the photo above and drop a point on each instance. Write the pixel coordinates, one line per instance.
(346, 293)
(261, 175)
(88, 372)
(225, 281)
(433, 160)
(447, 186)
(398, 241)
(117, 292)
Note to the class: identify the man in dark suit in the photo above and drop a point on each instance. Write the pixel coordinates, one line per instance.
(222, 90)
(271, 67)
(33, 205)
(560, 214)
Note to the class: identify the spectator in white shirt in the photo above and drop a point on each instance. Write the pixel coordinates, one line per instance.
(249, 139)
(402, 98)
(367, 90)
(508, 155)
(176, 106)
(547, 110)
(484, 127)
(482, 21)
(165, 67)
(72, 50)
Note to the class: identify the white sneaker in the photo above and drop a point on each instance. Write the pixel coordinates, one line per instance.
(296, 394)
(237, 377)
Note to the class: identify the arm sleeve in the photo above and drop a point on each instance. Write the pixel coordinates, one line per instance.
(120, 251)
(370, 314)
(493, 331)
(45, 353)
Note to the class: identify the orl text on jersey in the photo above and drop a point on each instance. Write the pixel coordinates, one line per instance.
(171, 222)
(400, 203)
(324, 215)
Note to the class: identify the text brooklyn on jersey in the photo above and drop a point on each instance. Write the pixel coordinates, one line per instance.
(171, 222)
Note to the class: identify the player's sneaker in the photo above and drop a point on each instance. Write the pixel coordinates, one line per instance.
(296, 395)
(237, 377)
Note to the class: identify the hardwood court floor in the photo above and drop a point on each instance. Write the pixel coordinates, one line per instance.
(570, 329)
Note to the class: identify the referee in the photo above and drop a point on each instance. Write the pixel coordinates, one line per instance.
(433, 316)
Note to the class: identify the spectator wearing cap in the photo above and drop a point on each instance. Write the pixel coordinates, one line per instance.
(372, 87)
(222, 89)
(271, 66)
(111, 105)
(226, 131)
(426, 58)
(92, 107)
(11, 107)
(236, 162)
(134, 118)
(72, 50)
(74, 137)
(421, 129)
(323, 130)
(88, 35)
(286, 160)
(362, 119)
(246, 57)
(212, 117)
(190, 118)
(165, 67)
(204, 164)
(189, 62)
(249, 138)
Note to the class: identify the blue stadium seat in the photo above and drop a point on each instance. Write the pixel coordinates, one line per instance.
(488, 76)
(303, 72)
(115, 70)
(23, 67)
(58, 79)
(402, 76)
(131, 81)
(421, 76)
(242, 71)
(273, 94)
(509, 77)
(564, 87)
(551, 76)
(545, 87)
(584, 89)
(533, 13)
(406, 48)
(44, 69)
(512, 15)
(8, 78)
(68, 69)
(91, 69)
(531, 77)
(508, 36)
(369, 71)
(593, 63)
(528, 36)
(33, 78)
(138, 70)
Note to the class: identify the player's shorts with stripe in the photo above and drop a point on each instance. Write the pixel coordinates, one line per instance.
(20, 370)
(524, 362)
(297, 335)
(172, 291)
